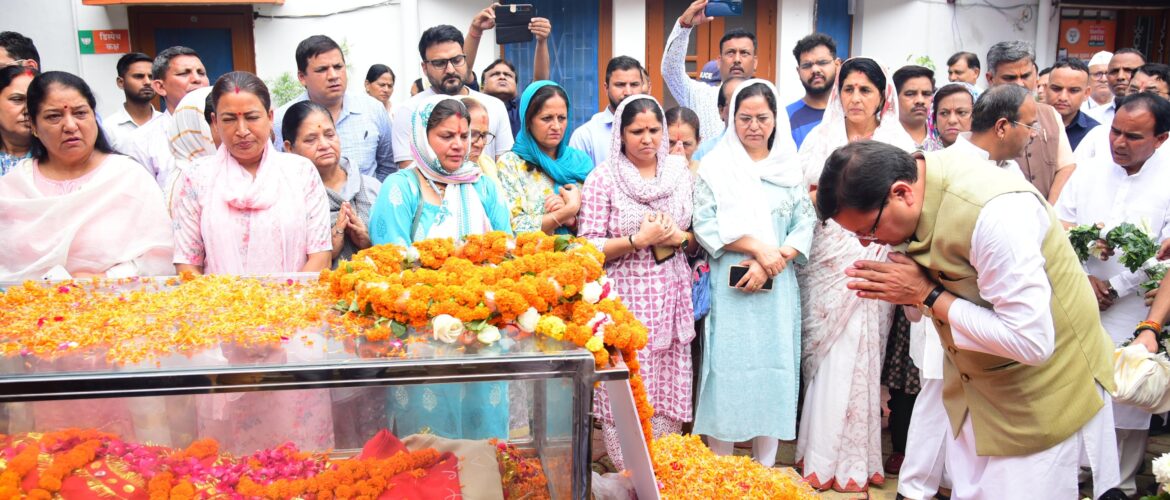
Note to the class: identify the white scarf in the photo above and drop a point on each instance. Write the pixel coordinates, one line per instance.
(831, 133)
(737, 181)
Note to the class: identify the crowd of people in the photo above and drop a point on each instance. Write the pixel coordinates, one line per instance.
(789, 261)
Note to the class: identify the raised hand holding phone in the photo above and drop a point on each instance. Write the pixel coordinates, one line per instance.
(694, 15)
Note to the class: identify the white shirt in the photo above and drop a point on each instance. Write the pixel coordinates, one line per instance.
(150, 146)
(595, 136)
(963, 142)
(498, 124)
(119, 125)
(1102, 192)
(1103, 113)
(1006, 254)
(700, 97)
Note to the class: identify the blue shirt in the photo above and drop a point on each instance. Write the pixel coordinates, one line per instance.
(364, 130)
(707, 145)
(1080, 126)
(594, 136)
(802, 119)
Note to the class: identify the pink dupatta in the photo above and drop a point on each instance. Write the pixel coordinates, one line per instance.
(253, 225)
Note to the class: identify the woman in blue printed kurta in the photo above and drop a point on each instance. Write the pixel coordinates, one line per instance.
(442, 195)
(751, 208)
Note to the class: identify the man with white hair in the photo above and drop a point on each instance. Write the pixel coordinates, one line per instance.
(1099, 93)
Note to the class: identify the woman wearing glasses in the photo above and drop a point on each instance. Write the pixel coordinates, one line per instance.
(309, 131)
(844, 336)
(752, 210)
(479, 137)
(540, 176)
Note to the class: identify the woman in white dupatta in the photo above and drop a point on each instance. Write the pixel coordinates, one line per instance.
(752, 209)
(844, 336)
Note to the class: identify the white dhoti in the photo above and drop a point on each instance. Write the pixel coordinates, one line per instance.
(1050, 473)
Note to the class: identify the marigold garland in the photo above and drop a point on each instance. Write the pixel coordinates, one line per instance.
(173, 474)
(490, 280)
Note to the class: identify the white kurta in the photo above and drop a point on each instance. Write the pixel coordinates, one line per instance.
(1006, 253)
(1102, 192)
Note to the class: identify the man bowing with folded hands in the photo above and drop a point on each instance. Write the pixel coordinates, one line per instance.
(1027, 361)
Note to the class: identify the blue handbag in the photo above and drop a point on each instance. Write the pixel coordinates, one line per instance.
(701, 288)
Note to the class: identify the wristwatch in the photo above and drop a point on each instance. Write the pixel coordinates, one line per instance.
(684, 243)
(928, 303)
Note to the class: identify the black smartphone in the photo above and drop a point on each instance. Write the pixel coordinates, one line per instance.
(737, 273)
(512, 23)
(723, 8)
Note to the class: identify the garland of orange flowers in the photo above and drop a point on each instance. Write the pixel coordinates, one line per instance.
(489, 278)
(350, 478)
(686, 469)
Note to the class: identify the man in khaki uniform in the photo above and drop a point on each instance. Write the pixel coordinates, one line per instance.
(1027, 361)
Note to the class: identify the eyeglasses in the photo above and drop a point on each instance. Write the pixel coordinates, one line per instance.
(746, 120)
(871, 235)
(17, 62)
(456, 61)
(961, 113)
(1099, 75)
(809, 65)
(1034, 130)
(487, 137)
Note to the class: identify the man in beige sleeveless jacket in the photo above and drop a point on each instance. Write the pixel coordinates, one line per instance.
(1027, 362)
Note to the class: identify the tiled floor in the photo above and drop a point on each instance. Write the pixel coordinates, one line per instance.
(786, 457)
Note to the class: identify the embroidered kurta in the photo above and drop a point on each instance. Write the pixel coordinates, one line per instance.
(524, 188)
(748, 381)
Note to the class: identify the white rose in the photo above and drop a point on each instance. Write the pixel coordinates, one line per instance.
(591, 292)
(527, 321)
(447, 328)
(412, 254)
(1161, 468)
(488, 335)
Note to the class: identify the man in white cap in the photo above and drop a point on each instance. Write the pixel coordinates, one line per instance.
(1099, 93)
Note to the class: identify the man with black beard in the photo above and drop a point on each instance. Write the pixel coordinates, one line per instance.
(134, 80)
(816, 63)
(445, 67)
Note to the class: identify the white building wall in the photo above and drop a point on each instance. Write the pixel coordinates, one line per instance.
(629, 30)
(890, 31)
(796, 21)
(57, 41)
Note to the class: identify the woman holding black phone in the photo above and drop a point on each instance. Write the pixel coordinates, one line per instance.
(752, 211)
